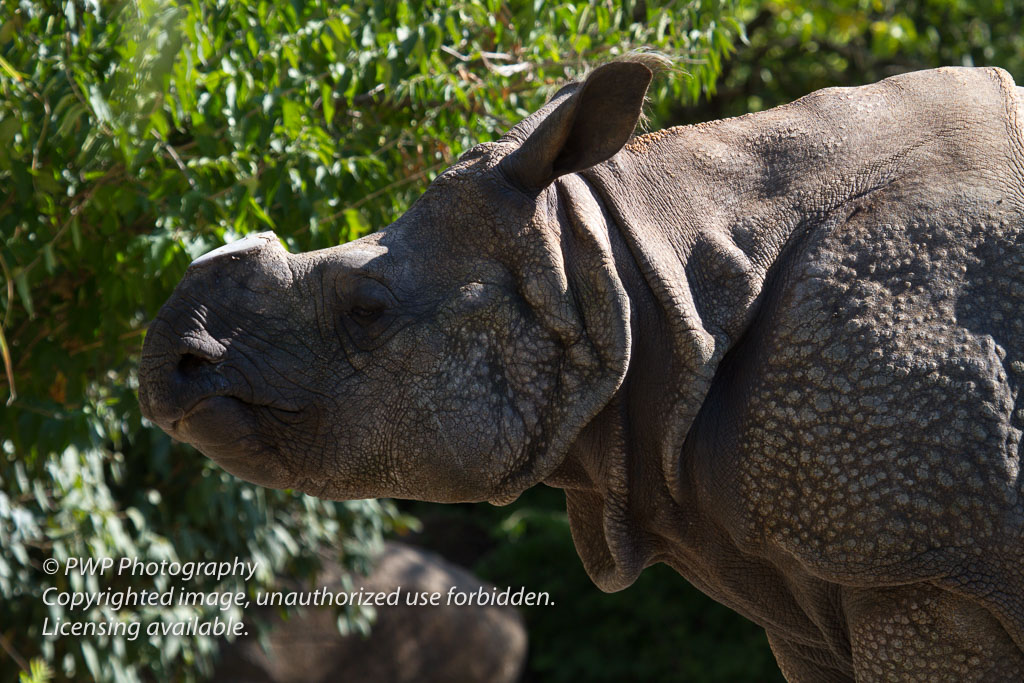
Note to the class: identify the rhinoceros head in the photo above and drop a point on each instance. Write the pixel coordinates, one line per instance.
(452, 356)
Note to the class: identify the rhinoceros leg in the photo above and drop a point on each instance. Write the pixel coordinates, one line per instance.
(922, 633)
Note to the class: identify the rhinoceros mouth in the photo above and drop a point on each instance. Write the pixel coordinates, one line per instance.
(227, 430)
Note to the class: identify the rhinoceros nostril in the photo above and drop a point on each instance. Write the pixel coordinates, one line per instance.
(190, 365)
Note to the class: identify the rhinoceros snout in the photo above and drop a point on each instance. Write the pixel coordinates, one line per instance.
(203, 377)
(182, 357)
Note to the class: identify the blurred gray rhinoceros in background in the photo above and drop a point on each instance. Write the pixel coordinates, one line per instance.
(407, 644)
(781, 353)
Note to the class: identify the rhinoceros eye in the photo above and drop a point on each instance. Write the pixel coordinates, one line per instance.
(367, 301)
(365, 316)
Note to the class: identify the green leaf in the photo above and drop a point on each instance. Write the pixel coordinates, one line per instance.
(260, 213)
(292, 116)
(24, 291)
(327, 97)
(6, 67)
(76, 233)
(92, 660)
(99, 105)
(48, 258)
(252, 43)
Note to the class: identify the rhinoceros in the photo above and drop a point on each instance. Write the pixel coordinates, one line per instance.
(781, 353)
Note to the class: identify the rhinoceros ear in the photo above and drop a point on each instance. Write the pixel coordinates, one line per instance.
(588, 124)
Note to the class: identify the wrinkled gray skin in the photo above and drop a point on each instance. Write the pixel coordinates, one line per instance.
(781, 353)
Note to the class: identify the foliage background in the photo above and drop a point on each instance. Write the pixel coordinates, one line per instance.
(136, 135)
